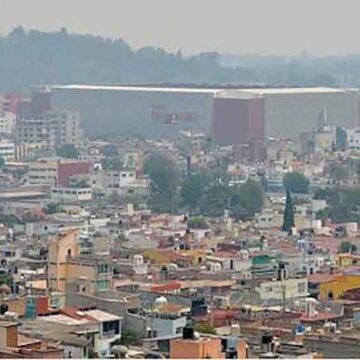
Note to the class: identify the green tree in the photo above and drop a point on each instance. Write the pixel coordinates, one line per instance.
(80, 183)
(192, 190)
(112, 164)
(289, 221)
(68, 151)
(128, 338)
(215, 200)
(205, 328)
(6, 279)
(296, 182)
(164, 182)
(246, 200)
(51, 208)
(347, 247)
(324, 214)
(338, 172)
(110, 150)
(30, 217)
(341, 138)
(197, 223)
(2, 162)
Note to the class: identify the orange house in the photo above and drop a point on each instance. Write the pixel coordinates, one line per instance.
(203, 348)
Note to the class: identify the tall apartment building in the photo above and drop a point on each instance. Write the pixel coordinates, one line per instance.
(7, 122)
(8, 108)
(69, 260)
(49, 129)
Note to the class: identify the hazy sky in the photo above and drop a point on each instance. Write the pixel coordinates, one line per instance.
(231, 26)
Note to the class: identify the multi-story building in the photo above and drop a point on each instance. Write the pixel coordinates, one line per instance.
(353, 139)
(231, 115)
(70, 131)
(7, 122)
(71, 195)
(8, 109)
(7, 150)
(43, 171)
(49, 129)
(124, 182)
(68, 262)
(55, 171)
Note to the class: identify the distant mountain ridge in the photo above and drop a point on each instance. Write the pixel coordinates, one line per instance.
(36, 58)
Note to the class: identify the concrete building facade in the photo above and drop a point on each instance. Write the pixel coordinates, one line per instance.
(229, 115)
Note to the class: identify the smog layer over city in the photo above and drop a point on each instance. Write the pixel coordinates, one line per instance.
(180, 179)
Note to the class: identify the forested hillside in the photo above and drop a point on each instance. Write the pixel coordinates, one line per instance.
(34, 57)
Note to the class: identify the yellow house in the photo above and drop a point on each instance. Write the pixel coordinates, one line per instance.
(196, 256)
(338, 285)
(346, 260)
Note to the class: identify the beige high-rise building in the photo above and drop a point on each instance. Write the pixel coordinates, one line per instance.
(70, 260)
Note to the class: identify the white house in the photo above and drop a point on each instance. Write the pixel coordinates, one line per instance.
(71, 195)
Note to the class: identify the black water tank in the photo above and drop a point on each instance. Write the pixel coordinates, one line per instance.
(266, 339)
(188, 333)
(4, 308)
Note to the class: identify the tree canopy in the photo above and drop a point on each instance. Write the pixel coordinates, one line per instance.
(110, 150)
(242, 201)
(347, 247)
(343, 204)
(338, 172)
(296, 182)
(289, 221)
(6, 279)
(68, 151)
(205, 328)
(197, 223)
(164, 178)
(192, 190)
(51, 208)
(61, 57)
(112, 164)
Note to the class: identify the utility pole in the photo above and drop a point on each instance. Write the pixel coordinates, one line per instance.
(283, 289)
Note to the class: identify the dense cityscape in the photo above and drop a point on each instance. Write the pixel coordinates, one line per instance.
(176, 207)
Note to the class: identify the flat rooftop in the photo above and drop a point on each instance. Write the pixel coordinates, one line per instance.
(221, 91)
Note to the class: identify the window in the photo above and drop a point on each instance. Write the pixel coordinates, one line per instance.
(103, 269)
(102, 284)
(111, 327)
(301, 288)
